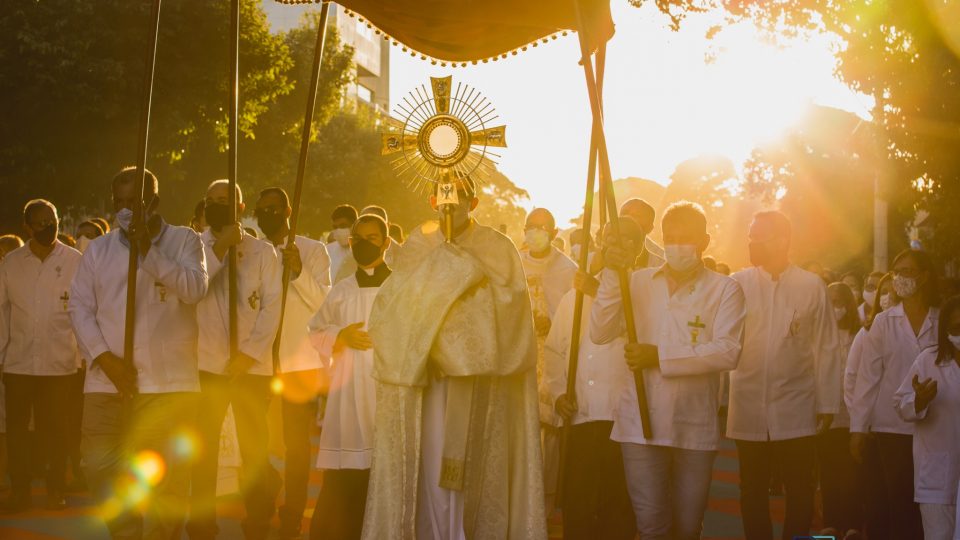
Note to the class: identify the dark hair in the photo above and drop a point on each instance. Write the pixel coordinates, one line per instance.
(375, 210)
(779, 221)
(128, 175)
(104, 224)
(34, 205)
(931, 289)
(945, 349)
(710, 263)
(279, 192)
(686, 211)
(396, 232)
(199, 208)
(344, 211)
(371, 218)
(854, 275)
(851, 319)
(93, 224)
(875, 309)
(67, 240)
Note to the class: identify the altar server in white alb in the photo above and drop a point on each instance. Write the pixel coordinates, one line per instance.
(134, 415)
(596, 503)
(689, 328)
(929, 397)
(243, 380)
(342, 219)
(339, 332)
(38, 352)
(299, 362)
(787, 386)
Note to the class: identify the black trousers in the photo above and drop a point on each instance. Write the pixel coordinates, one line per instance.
(842, 504)
(873, 492)
(595, 502)
(298, 422)
(75, 421)
(340, 505)
(796, 458)
(896, 462)
(250, 396)
(47, 398)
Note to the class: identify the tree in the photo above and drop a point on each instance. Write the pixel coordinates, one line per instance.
(71, 75)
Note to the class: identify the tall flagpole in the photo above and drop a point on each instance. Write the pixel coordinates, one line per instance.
(301, 169)
(138, 210)
(232, 165)
(607, 184)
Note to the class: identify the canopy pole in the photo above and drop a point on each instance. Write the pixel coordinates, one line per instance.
(601, 61)
(583, 263)
(607, 183)
(138, 209)
(301, 171)
(232, 165)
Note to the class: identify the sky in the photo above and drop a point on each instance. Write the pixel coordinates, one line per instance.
(663, 102)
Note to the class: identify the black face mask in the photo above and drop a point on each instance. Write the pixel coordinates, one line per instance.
(364, 251)
(270, 222)
(217, 215)
(47, 235)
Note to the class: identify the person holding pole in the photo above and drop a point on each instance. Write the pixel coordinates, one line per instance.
(787, 386)
(689, 329)
(299, 365)
(135, 414)
(243, 380)
(595, 501)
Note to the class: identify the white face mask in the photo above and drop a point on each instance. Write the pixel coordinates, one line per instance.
(839, 312)
(681, 257)
(125, 218)
(955, 340)
(82, 243)
(905, 287)
(869, 297)
(886, 302)
(538, 240)
(342, 236)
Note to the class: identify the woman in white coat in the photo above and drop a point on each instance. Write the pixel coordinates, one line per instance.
(930, 398)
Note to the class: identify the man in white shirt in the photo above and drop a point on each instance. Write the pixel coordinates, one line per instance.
(787, 386)
(38, 351)
(640, 211)
(689, 328)
(596, 503)
(549, 276)
(243, 380)
(342, 220)
(299, 362)
(135, 416)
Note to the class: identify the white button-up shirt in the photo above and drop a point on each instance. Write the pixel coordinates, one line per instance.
(697, 332)
(305, 295)
(601, 369)
(548, 279)
(888, 352)
(36, 336)
(171, 279)
(790, 368)
(936, 440)
(258, 306)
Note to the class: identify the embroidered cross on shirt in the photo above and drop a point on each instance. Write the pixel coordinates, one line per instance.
(253, 300)
(695, 326)
(65, 297)
(161, 290)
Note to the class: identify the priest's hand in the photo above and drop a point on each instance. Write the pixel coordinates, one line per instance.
(354, 337)
(120, 373)
(239, 365)
(586, 283)
(541, 323)
(824, 421)
(292, 260)
(229, 236)
(858, 442)
(926, 390)
(566, 406)
(641, 356)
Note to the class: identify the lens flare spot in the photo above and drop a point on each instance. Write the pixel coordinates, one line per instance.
(276, 386)
(149, 468)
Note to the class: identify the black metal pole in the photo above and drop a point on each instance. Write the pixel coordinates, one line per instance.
(301, 169)
(607, 183)
(232, 164)
(142, 140)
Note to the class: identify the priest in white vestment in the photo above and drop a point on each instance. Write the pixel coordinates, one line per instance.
(456, 447)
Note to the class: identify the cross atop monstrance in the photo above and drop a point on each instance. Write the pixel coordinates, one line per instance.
(444, 140)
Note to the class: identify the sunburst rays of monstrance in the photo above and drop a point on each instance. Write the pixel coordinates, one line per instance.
(444, 138)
